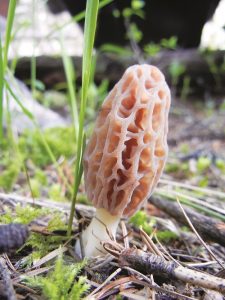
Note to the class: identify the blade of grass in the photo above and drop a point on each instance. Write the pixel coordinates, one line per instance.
(33, 58)
(9, 24)
(89, 35)
(70, 78)
(33, 74)
(4, 56)
(1, 90)
(23, 108)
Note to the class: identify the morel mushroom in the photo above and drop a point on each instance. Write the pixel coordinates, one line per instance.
(127, 152)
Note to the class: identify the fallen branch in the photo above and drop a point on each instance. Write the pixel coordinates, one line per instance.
(149, 263)
(209, 228)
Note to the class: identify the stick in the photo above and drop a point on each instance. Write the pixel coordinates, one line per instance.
(209, 228)
(4, 272)
(149, 263)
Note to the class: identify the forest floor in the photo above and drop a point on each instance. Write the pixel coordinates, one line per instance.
(167, 237)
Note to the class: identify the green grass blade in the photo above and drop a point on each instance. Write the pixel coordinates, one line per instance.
(4, 56)
(23, 108)
(33, 74)
(33, 58)
(9, 24)
(70, 78)
(1, 90)
(89, 36)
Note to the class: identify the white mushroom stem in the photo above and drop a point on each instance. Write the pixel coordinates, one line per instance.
(101, 225)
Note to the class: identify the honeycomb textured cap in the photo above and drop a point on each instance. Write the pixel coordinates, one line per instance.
(126, 154)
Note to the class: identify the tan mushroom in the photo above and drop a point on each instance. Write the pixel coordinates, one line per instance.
(126, 154)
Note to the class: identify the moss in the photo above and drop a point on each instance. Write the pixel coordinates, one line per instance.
(55, 192)
(140, 219)
(60, 283)
(203, 164)
(166, 236)
(60, 140)
(54, 99)
(56, 223)
(82, 198)
(43, 244)
(41, 177)
(9, 168)
(171, 167)
(220, 164)
(185, 148)
(22, 214)
(35, 187)
(203, 182)
(9, 176)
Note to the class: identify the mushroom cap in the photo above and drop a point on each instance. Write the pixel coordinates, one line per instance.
(126, 153)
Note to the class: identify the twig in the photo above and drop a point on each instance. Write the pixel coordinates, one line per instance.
(32, 273)
(148, 263)
(154, 286)
(212, 295)
(151, 246)
(153, 291)
(113, 248)
(106, 281)
(9, 290)
(198, 236)
(125, 234)
(49, 257)
(166, 253)
(9, 264)
(123, 281)
(26, 288)
(101, 262)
